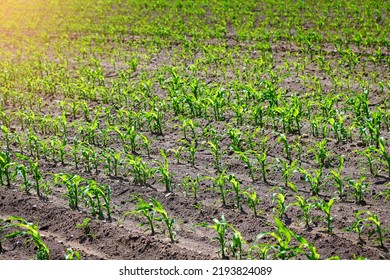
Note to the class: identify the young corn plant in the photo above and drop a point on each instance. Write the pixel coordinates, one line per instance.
(358, 225)
(253, 201)
(286, 146)
(338, 180)
(262, 160)
(177, 153)
(359, 189)
(155, 121)
(250, 138)
(146, 210)
(216, 151)
(281, 207)
(157, 206)
(321, 153)
(367, 219)
(27, 229)
(236, 136)
(107, 156)
(221, 184)
(129, 138)
(326, 208)
(305, 205)
(94, 194)
(192, 184)
(221, 227)
(188, 124)
(191, 151)
(374, 127)
(243, 156)
(115, 158)
(236, 245)
(377, 228)
(139, 170)
(7, 136)
(315, 181)
(5, 164)
(164, 172)
(58, 148)
(22, 171)
(339, 129)
(287, 169)
(384, 154)
(86, 227)
(72, 184)
(237, 190)
(33, 169)
(283, 248)
(370, 155)
(71, 255)
(75, 151)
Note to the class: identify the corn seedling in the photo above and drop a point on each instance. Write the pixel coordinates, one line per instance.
(155, 121)
(71, 255)
(93, 194)
(27, 229)
(369, 154)
(85, 226)
(146, 210)
(359, 189)
(338, 180)
(7, 136)
(378, 229)
(157, 206)
(279, 199)
(262, 160)
(188, 123)
(287, 169)
(221, 226)
(237, 190)
(243, 156)
(305, 205)
(367, 219)
(236, 244)
(313, 180)
(358, 225)
(321, 153)
(216, 151)
(220, 183)
(37, 175)
(140, 171)
(193, 184)
(283, 248)
(236, 136)
(22, 171)
(164, 172)
(253, 201)
(107, 156)
(5, 164)
(191, 151)
(115, 159)
(286, 146)
(384, 153)
(326, 208)
(177, 153)
(73, 188)
(338, 128)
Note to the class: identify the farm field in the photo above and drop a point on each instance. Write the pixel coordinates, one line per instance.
(194, 129)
